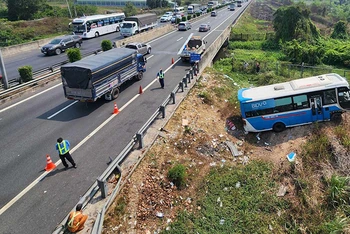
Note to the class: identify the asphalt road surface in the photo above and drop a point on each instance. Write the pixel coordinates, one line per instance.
(33, 203)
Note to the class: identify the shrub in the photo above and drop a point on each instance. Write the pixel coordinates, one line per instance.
(177, 175)
(198, 14)
(73, 54)
(178, 20)
(106, 45)
(183, 18)
(338, 190)
(26, 73)
(188, 17)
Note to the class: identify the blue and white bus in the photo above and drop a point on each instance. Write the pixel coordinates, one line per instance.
(294, 103)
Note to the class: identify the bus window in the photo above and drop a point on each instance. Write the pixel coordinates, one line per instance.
(300, 102)
(329, 97)
(283, 104)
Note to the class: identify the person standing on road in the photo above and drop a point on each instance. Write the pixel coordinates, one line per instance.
(62, 147)
(160, 76)
(76, 220)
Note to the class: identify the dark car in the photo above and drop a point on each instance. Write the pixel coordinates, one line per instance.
(213, 13)
(60, 44)
(204, 28)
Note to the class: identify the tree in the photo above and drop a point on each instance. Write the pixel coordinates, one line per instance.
(339, 31)
(157, 3)
(293, 22)
(23, 9)
(130, 9)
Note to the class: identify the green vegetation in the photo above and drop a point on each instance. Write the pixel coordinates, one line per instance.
(130, 9)
(177, 174)
(74, 55)
(106, 45)
(26, 73)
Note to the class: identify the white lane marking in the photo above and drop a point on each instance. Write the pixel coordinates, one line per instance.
(150, 57)
(161, 37)
(20, 102)
(211, 31)
(62, 110)
(37, 180)
(179, 39)
(197, 29)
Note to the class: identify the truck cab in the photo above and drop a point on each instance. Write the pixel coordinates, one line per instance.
(128, 28)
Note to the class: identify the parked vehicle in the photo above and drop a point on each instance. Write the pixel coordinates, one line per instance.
(294, 103)
(184, 26)
(97, 25)
(193, 45)
(204, 27)
(137, 24)
(213, 13)
(141, 48)
(102, 74)
(60, 44)
(177, 16)
(232, 7)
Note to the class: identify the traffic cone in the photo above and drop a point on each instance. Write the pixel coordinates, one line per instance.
(116, 110)
(140, 90)
(49, 164)
(172, 60)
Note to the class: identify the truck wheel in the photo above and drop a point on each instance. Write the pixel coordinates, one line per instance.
(149, 51)
(58, 51)
(183, 59)
(139, 76)
(115, 93)
(97, 34)
(279, 127)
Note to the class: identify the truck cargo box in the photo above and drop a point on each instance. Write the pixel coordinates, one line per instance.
(144, 19)
(95, 69)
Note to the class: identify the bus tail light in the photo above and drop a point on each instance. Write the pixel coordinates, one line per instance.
(244, 122)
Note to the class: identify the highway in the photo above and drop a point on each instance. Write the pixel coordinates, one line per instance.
(31, 202)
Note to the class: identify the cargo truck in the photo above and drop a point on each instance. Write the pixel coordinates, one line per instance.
(213, 4)
(138, 23)
(193, 45)
(232, 7)
(102, 74)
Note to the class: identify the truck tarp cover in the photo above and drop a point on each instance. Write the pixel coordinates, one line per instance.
(143, 19)
(97, 67)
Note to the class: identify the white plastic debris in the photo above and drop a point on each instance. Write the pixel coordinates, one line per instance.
(218, 200)
(159, 214)
(258, 136)
(213, 164)
(245, 160)
(238, 184)
(222, 221)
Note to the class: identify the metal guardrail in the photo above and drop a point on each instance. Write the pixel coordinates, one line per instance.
(113, 168)
(38, 75)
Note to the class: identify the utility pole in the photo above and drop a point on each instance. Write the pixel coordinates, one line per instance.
(3, 72)
(70, 13)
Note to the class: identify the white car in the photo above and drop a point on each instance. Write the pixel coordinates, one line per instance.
(165, 18)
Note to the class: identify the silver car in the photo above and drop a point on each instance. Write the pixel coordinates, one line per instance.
(184, 26)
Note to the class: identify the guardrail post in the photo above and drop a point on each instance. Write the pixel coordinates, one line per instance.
(172, 95)
(51, 69)
(162, 109)
(139, 138)
(103, 187)
(184, 80)
(191, 73)
(188, 77)
(181, 85)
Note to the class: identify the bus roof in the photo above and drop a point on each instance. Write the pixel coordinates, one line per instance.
(294, 87)
(95, 17)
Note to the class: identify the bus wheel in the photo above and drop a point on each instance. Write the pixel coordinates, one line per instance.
(97, 34)
(139, 76)
(336, 117)
(117, 29)
(279, 127)
(115, 93)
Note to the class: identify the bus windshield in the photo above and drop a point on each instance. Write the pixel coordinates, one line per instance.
(344, 97)
(78, 28)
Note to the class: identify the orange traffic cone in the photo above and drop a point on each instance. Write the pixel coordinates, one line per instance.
(172, 60)
(49, 164)
(116, 110)
(140, 90)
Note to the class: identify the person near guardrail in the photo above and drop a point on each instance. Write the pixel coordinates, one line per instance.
(160, 76)
(62, 147)
(76, 219)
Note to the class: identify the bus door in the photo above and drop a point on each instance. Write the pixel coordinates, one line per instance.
(316, 108)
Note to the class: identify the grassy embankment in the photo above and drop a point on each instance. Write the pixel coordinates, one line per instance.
(318, 198)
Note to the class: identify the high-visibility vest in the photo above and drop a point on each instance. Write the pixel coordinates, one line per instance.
(71, 221)
(161, 75)
(63, 150)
